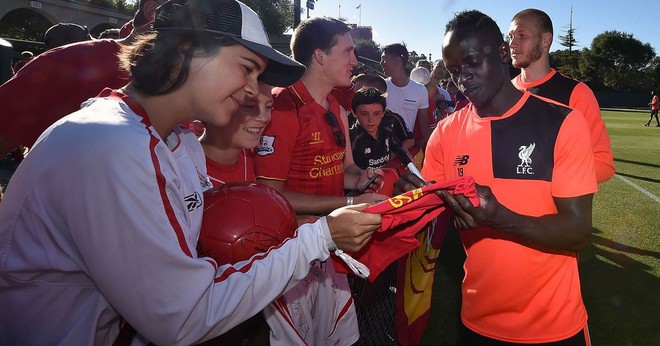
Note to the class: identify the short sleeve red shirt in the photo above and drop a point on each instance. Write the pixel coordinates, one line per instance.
(654, 103)
(298, 145)
(242, 170)
(515, 291)
(344, 95)
(54, 84)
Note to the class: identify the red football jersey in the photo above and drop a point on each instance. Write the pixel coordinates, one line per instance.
(242, 170)
(403, 216)
(54, 84)
(299, 146)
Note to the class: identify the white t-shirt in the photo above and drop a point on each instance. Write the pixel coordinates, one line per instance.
(444, 93)
(100, 222)
(445, 97)
(406, 101)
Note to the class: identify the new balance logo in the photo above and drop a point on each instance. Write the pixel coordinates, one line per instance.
(461, 160)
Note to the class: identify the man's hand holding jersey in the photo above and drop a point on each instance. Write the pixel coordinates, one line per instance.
(568, 229)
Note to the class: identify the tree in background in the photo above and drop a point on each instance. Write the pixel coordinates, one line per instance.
(24, 24)
(277, 15)
(413, 57)
(567, 62)
(616, 60)
(652, 72)
(101, 3)
(368, 49)
(124, 6)
(368, 53)
(569, 40)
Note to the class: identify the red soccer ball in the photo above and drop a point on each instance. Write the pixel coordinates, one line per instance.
(242, 219)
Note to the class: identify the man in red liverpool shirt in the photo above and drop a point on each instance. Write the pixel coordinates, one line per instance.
(305, 153)
(56, 82)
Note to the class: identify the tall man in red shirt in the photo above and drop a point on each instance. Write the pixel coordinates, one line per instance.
(530, 37)
(533, 165)
(56, 82)
(305, 153)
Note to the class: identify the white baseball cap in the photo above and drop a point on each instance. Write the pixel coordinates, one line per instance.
(233, 19)
(420, 75)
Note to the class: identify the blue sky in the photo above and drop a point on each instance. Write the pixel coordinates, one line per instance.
(420, 23)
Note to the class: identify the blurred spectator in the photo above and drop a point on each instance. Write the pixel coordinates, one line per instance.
(422, 76)
(9, 163)
(438, 72)
(56, 82)
(370, 80)
(439, 98)
(64, 33)
(110, 33)
(26, 56)
(457, 96)
(405, 97)
(461, 101)
(423, 63)
(655, 105)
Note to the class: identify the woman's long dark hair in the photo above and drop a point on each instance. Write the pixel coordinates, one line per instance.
(159, 62)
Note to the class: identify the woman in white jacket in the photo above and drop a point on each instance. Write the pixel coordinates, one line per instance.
(99, 225)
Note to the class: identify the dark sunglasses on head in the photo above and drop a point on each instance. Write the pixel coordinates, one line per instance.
(337, 131)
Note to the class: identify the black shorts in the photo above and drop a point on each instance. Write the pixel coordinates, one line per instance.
(470, 338)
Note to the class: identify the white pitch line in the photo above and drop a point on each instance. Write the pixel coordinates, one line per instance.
(639, 188)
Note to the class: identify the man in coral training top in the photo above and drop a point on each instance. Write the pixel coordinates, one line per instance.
(530, 37)
(533, 165)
